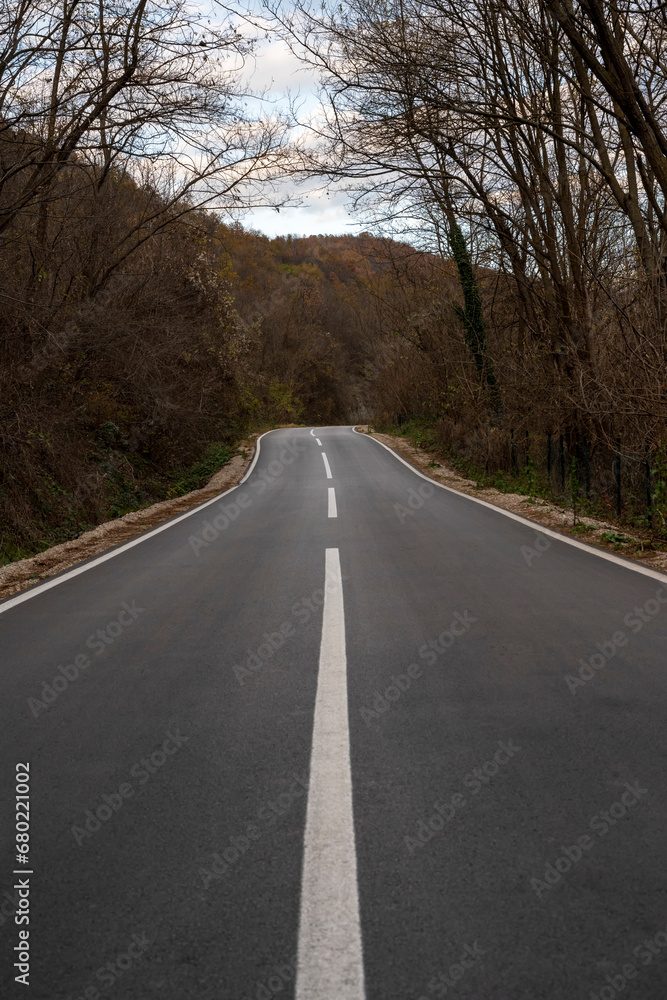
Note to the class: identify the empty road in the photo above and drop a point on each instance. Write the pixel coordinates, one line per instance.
(338, 734)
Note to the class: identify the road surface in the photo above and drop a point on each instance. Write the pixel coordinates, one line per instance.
(340, 734)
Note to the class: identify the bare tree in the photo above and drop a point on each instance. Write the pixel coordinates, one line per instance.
(526, 137)
(119, 82)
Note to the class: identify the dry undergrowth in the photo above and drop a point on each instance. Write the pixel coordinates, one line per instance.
(27, 572)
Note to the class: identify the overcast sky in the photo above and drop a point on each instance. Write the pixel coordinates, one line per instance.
(278, 71)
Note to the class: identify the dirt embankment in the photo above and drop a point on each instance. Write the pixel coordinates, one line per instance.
(586, 529)
(27, 572)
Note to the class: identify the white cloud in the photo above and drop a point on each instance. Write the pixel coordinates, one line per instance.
(288, 83)
(278, 71)
(319, 212)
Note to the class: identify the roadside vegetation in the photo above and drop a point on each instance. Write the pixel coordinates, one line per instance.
(507, 305)
(524, 144)
(630, 533)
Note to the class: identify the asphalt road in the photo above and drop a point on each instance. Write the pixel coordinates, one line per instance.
(487, 820)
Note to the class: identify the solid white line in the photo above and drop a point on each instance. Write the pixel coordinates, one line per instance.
(330, 962)
(333, 511)
(319, 442)
(608, 556)
(327, 467)
(76, 570)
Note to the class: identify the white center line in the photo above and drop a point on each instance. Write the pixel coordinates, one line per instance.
(327, 466)
(330, 962)
(319, 442)
(333, 511)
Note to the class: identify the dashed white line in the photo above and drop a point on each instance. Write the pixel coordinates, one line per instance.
(319, 442)
(327, 467)
(312, 433)
(330, 960)
(333, 511)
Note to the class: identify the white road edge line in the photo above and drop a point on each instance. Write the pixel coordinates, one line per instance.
(329, 954)
(609, 556)
(76, 570)
(327, 467)
(333, 510)
(319, 442)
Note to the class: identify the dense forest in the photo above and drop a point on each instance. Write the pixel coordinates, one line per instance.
(507, 300)
(140, 389)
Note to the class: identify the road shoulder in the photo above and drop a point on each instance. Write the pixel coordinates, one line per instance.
(586, 529)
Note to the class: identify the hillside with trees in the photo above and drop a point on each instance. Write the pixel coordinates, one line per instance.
(117, 396)
(508, 302)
